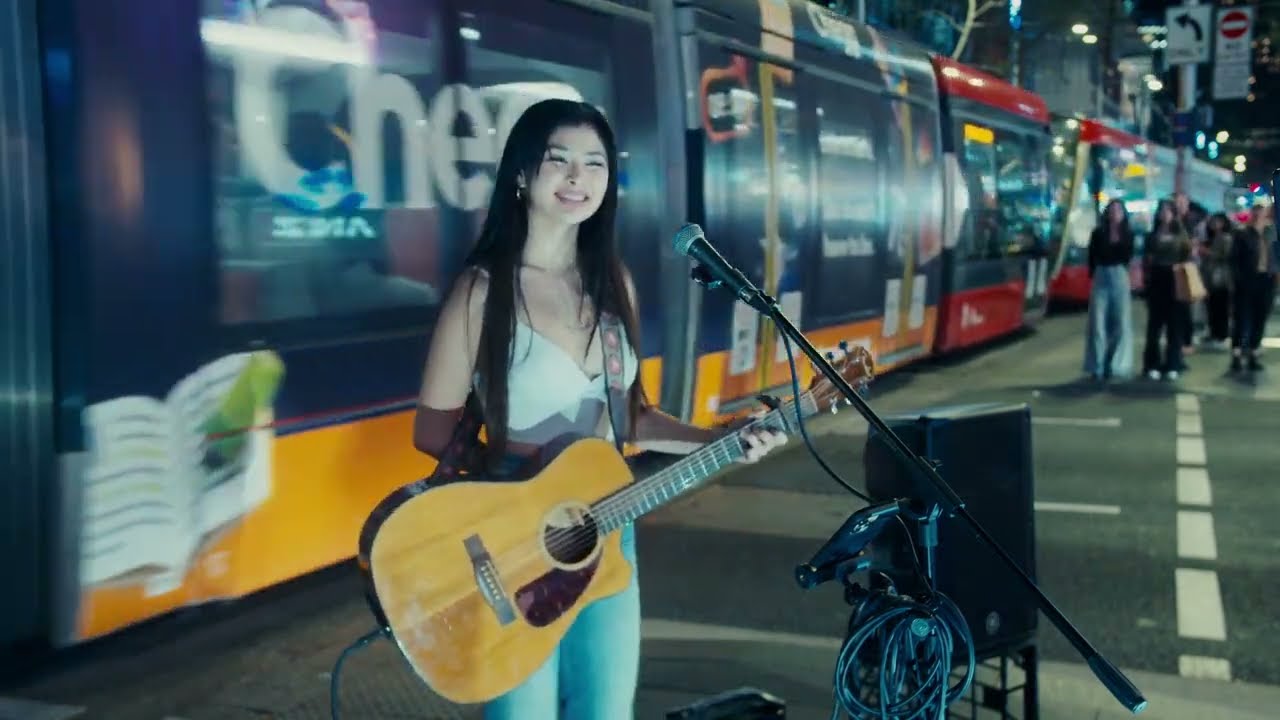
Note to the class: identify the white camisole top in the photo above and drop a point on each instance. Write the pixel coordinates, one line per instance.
(549, 395)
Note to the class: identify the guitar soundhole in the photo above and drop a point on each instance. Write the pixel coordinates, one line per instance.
(570, 535)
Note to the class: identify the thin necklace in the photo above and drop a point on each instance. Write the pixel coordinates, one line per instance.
(565, 300)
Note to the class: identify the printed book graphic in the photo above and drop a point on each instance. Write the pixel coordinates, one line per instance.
(165, 476)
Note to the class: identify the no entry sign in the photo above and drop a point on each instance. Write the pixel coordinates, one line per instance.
(1233, 24)
(1234, 36)
(1232, 53)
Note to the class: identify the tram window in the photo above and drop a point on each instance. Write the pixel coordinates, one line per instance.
(736, 177)
(983, 236)
(324, 204)
(1022, 184)
(853, 162)
(852, 186)
(513, 64)
(518, 53)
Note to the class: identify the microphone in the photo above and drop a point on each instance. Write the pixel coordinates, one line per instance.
(847, 544)
(692, 242)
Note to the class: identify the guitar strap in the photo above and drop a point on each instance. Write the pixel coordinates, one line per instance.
(466, 435)
(616, 389)
(463, 443)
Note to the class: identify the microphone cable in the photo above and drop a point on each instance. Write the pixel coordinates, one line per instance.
(913, 641)
(916, 637)
(359, 643)
(795, 396)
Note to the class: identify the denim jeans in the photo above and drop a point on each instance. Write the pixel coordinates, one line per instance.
(1108, 348)
(593, 673)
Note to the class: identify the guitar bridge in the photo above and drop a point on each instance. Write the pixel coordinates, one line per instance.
(486, 574)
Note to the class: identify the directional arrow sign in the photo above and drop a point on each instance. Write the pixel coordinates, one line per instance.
(1186, 21)
(1189, 34)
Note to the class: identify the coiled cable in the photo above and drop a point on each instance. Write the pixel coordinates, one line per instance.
(913, 642)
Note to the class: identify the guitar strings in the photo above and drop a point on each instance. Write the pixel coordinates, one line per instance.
(612, 508)
(573, 540)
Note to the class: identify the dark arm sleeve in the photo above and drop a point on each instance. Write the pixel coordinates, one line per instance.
(1126, 250)
(1239, 256)
(1094, 239)
(434, 429)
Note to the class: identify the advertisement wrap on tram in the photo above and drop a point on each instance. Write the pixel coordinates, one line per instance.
(292, 186)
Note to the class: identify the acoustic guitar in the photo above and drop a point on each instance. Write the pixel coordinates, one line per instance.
(478, 579)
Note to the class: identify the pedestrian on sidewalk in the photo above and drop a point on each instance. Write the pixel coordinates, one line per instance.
(1215, 261)
(1254, 263)
(1194, 217)
(1108, 349)
(1167, 246)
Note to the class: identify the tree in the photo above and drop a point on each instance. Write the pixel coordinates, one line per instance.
(950, 27)
(945, 26)
(973, 12)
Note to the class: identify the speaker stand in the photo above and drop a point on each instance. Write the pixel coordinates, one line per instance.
(995, 696)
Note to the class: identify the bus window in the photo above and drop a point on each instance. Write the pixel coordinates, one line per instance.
(320, 140)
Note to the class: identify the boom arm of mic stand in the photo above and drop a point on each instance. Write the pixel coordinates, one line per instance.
(1108, 674)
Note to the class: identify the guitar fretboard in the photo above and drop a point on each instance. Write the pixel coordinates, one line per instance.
(653, 492)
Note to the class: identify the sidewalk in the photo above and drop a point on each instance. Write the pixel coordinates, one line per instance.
(1208, 367)
(800, 671)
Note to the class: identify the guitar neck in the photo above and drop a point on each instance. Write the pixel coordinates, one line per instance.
(645, 496)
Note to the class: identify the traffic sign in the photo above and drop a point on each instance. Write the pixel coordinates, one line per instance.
(1189, 28)
(1234, 36)
(1230, 81)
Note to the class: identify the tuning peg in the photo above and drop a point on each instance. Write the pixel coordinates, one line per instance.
(844, 345)
(831, 356)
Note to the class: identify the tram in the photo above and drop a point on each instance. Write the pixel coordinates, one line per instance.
(1094, 163)
(254, 208)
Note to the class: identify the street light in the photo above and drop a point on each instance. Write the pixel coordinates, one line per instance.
(1154, 85)
(1223, 136)
(1079, 28)
(1089, 39)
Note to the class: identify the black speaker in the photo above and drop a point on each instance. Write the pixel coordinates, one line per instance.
(984, 453)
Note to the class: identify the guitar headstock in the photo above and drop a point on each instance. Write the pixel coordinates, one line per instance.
(855, 365)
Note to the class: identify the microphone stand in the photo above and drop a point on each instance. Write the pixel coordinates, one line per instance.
(1108, 674)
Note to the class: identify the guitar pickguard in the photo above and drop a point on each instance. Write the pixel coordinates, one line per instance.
(544, 600)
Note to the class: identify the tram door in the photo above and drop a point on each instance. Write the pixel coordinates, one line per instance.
(757, 206)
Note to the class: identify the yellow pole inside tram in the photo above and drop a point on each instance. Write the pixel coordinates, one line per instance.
(1077, 185)
(772, 239)
(912, 238)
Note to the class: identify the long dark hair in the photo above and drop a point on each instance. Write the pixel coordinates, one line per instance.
(1226, 226)
(1175, 224)
(1104, 222)
(500, 249)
